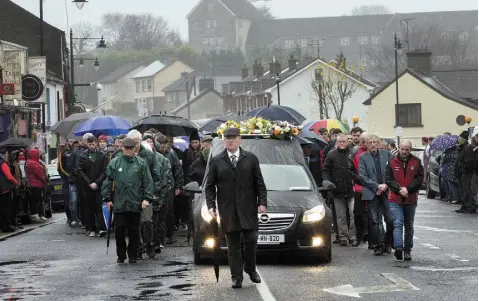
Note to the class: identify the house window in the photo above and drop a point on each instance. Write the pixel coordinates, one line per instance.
(364, 62)
(143, 85)
(138, 86)
(207, 24)
(464, 37)
(345, 41)
(289, 43)
(304, 43)
(376, 40)
(170, 97)
(409, 115)
(220, 40)
(215, 23)
(363, 40)
(211, 6)
(150, 85)
(204, 40)
(212, 41)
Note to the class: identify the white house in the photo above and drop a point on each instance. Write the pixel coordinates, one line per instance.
(296, 91)
(119, 82)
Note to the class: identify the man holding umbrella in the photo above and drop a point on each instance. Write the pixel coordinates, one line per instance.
(240, 199)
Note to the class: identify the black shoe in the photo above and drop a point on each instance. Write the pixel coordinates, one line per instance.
(336, 241)
(132, 261)
(407, 256)
(254, 277)
(355, 243)
(157, 250)
(120, 260)
(365, 237)
(398, 254)
(150, 252)
(344, 243)
(170, 241)
(386, 248)
(8, 230)
(237, 284)
(461, 210)
(378, 251)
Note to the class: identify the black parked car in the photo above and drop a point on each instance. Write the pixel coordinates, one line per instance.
(55, 189)
(433, 177)
(297, 219)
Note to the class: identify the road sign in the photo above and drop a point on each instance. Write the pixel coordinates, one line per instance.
(399, 131)
(400, 285)
(7, 89)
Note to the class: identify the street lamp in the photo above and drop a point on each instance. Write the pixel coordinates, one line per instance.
(397, 48)
(355, 120)
(277, 79)
(318, 74)
(102, 44)
(80, 3)
(96, 65)
(81, 64)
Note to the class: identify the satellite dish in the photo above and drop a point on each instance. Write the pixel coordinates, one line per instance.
(461, 120)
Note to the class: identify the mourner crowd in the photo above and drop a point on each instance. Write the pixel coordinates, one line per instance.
(364, 179)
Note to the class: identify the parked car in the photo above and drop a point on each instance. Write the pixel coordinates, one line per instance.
(297, 220)
(55, 188)
(419, 152)
(433, 177)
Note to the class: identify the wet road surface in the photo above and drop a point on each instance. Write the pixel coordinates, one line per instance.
(58, 263)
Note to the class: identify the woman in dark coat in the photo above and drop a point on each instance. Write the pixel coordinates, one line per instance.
(198, 168)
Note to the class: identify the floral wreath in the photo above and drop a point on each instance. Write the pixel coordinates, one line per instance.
(281, 130)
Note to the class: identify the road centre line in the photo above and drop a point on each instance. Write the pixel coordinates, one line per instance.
(264, 291)
(442, 230)
(430, 246)
(457, 257)
(433, 269)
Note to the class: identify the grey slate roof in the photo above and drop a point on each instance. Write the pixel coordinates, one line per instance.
(263, 32)
(463, 82)
(177, 85)
(243, 9)
(197, 97)
(120, 72)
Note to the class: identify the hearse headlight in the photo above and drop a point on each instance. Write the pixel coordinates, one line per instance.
(314, 214)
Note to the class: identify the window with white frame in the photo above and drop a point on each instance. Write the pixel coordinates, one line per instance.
(363, 40)
(304, 42)
(376, 40)
(345, 41)
(212, 41)
(138, 86)
(204, 40)
(211, 6)
(215, 23)
(207, 23)
(143, 85)
(289, 43)
(464, 37)
(150, 85)
(220, 40)
(364, 62)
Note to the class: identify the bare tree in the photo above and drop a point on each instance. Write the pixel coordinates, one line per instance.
(140, 32)
(263, 8)
(375, 9)
(83, 31)
(332, 87)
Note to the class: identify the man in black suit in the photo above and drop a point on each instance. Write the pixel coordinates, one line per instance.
(235, 180)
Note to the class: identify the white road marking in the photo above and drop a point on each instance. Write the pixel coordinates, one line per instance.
(442, 230)
(58, 240)
(457, 257)
(434, 216)
(430, 246)
(264, 291)
(415, 237)
(400, 285)
(433, 269)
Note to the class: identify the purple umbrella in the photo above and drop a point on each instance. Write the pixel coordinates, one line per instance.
(444, 142)
(180, 144)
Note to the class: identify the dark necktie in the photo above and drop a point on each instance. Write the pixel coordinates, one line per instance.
(233, 160)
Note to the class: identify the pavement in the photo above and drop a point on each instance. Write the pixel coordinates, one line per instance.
(55, 262)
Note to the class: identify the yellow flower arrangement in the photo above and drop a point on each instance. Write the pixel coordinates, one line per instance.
(228, 124)
(257, 126)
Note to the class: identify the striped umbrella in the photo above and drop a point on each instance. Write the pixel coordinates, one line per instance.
(326, 124)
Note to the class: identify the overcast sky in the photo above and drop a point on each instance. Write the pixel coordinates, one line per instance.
(175, 11)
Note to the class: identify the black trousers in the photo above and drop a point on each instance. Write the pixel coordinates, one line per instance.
(5, 203)
(236, 261)
(361, 219)
(127, 221)
(66, 197)
(181, 209)
(93, 211)
(467, 195)
(14, 207)
(159, 225)
(170, 219)
(36, 200)
(81, 202)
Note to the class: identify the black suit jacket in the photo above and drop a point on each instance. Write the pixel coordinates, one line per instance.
(238, 190)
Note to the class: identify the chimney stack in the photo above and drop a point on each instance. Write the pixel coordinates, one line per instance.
(244, 72)
(292, 63)
(272, 69)
(184, 74)
(420, 60)
(258, 69)
(277, 68)
(206, 83)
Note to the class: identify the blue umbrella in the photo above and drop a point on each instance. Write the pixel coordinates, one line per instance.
(281, 113)
(444, 142)
(104, 125)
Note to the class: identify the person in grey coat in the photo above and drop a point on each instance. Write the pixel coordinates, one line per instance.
(372, 171)
(235, 181)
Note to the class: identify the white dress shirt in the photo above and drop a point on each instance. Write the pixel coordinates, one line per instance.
(237, 154)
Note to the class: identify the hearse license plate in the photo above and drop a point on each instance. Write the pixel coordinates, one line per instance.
(58, 187)
(270, 239)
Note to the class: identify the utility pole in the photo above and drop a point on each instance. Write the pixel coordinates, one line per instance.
(42, 53)
(72, 66)
(188, 97)
(1, 82)
(318, 44)
(406, 21)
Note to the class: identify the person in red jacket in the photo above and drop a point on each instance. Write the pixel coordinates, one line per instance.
(37, 181)
(360, 210)
(404, 176)
(7, 183)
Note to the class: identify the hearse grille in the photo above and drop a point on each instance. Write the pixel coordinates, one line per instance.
(275, 221)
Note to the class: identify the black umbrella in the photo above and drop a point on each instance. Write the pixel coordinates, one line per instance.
(216, 251)
(66, 127)
(212, 124)
(16, 143)
(275, 112)
(169, 125)
(315, 138)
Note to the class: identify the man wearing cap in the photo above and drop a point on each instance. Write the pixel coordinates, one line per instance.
(133, 192)
(102, 142)
(235, 182)
(207, 142)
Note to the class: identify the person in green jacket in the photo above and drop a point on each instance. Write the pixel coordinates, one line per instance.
(133, 192)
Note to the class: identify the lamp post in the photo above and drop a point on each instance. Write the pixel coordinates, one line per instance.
(277, 79)
(397, 48)
(319, 78)
(355, 120)
(80, 3)
(96, 65)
